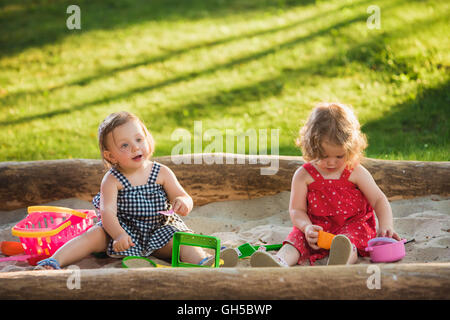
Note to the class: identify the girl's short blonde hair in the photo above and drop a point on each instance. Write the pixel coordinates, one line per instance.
(336, 124)
(113, 121)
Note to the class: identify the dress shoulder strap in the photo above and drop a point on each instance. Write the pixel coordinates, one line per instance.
(346, 173)
(154, 174)
(123, 180)
(315, 174)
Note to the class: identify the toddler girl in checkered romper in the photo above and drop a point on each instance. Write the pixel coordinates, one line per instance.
(132, 193)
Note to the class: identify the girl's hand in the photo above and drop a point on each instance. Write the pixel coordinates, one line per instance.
(180, 206)
(312, 235)
(388, 231)
(122, 242)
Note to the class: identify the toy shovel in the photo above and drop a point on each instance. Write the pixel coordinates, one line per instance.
(167, 213)
(169, 210)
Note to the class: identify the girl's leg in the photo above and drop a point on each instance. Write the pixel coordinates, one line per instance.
(188, 254)
(351, 237)
(354, 256)
(191, 254)
(164, 253)
(93, 240)
(342, 251)
(287, 256)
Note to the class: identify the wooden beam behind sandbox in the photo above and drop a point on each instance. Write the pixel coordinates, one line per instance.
(36, 182)
(397, 281)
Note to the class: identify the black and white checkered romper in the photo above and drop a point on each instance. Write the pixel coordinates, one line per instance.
(137, 213)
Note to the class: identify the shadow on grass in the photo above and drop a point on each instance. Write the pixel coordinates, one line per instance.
(28, 24)
(413, 125)
(191, 75)
(408, 129)
(376, 55)
(217, 104)
(176, 52)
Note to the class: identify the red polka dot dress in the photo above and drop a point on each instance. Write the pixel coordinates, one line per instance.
(339, 207)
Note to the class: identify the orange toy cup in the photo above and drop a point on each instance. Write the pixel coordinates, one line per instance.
(325, 239)
(11, 248)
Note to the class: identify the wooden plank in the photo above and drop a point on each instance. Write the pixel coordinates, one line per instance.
(36, 182)
(397, 281)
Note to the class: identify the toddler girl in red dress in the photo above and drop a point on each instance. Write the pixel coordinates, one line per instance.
(332, 192)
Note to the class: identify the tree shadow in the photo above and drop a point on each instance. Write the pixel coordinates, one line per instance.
(217, 103)
(33, 24)
(409, 127)
(191, 75)
(105, 73)
(376, 55)
(413, 125)
(216, 106)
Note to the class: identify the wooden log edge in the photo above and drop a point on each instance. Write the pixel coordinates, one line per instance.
(397, 281)
(230, 177)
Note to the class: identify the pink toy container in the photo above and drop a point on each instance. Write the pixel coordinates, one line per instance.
(45, 229)
(386, 249)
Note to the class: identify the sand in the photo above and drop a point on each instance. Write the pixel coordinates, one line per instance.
(266, 221)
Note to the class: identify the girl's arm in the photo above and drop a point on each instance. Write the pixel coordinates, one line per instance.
(181, 202)
(298, 207)
(377, 199)
(108, 207)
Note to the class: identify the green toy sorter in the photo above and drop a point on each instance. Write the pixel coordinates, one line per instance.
(246, 249)
(195, 240)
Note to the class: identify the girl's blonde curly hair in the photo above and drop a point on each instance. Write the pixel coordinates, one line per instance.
(336, 124)
(113, 121)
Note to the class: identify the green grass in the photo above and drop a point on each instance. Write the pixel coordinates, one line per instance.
(240, 64)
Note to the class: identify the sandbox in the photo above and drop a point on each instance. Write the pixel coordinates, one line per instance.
(237, 204)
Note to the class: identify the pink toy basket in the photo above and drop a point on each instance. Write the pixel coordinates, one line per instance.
(46, 228)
